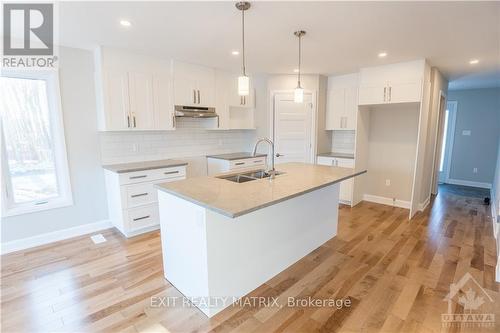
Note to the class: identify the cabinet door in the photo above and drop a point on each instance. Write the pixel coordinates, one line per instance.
(163, 104)
(141, 100)
(335, 109)
(323, 160)
(205, 94)
(346, 191)
(116, 94)
(351, 108)
(185, 84)
(404, 92)
(370, 95)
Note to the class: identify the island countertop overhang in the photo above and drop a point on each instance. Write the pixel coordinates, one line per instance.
(237, 199)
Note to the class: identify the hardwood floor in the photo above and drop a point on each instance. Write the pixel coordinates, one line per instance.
(395, 273)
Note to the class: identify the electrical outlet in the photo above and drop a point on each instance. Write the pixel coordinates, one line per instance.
(474, 170)
(387, 182)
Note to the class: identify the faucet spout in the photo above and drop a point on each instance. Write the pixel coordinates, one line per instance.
(271, 171)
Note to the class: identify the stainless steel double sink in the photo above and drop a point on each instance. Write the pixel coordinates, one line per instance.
(248, 176)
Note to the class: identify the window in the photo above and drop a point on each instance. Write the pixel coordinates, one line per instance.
(34, 163)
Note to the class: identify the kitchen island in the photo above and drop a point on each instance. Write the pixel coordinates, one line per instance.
(222, 239)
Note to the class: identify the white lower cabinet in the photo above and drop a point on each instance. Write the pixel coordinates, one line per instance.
(346, 185)
(133, 198)
(216, 165)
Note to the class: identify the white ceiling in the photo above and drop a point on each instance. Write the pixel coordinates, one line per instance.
(341, 36)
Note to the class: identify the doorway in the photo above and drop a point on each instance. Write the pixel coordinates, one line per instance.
(446, 134)
(293, 128)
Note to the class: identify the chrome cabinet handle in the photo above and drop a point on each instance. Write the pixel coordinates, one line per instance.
(385, 89)
(137, 177)
(278, 155)
(199, 100)
(194, 96)
(142, 218)
(390, 93)
(239, 163)
(170, 172)
(135, 124)
(128, 121)
(244, 100)
(138, 195)
(173, 121)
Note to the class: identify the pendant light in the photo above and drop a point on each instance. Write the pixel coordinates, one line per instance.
(243, 79)
(298, 94)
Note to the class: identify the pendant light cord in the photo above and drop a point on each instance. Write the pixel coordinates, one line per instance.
(243, 39)
(298, 74)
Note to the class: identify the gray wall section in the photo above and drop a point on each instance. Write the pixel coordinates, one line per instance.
(87, 179)
(478, 110)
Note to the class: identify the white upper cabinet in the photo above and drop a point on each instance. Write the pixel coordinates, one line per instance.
(342, 102)
(133, 92)
(115, 100)
(397, 83)
(141, 100)
(193, 85)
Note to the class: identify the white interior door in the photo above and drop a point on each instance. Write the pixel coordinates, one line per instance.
(447, 142)
(293, 128)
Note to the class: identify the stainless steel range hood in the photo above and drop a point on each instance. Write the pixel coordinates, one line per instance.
(195, 112)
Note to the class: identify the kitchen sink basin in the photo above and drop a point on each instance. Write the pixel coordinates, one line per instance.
(249, 176)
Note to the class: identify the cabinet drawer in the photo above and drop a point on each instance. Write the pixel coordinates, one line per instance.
(323, 160)
(140, 194)
(142, 217)
(150, 175)
(345, 163)
(247, 162)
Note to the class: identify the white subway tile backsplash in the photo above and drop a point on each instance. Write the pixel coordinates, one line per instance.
(343, 141)
(189, 140)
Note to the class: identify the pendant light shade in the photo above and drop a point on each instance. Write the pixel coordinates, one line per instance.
(243, 79)
(298, 95)
(243, 85)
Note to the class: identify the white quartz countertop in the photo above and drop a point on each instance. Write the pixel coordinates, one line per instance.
(235, 199)
(141, 166)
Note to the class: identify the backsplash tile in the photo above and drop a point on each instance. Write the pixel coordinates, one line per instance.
(343, 141)
(190, 141)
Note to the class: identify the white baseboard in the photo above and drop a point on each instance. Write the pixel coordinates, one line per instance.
(467, 183)
(386, 201)
(423, 205)
(50, 237)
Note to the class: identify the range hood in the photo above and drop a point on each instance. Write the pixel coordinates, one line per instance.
(195, 112)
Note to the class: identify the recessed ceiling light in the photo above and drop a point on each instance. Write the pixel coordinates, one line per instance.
(474, 61)
(382, 54)
(295, 70)
(235, 52)
(125, 23)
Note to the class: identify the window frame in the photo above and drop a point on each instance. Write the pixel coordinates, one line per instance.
(65, 197)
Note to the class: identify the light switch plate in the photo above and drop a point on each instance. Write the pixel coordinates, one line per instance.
(466, 132)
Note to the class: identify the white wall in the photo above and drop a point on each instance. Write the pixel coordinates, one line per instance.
(478, 110)
(439, 86)
(89, 195)
(392, 149)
